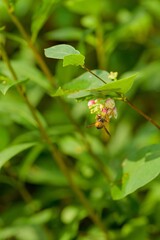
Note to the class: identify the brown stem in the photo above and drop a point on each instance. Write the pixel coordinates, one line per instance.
(26, 196)
(98, 161)
(141, 113)
(38, 57)
(46, 70)
(59, 158)
(124, 99)
(48, 74)
(88, 70)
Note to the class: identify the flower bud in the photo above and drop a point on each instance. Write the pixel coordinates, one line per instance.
(104, 110)
(91, 102)
(110, 103)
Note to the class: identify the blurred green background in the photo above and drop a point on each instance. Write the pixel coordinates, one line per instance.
(36, 202)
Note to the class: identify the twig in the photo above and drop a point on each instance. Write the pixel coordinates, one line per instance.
(38, 57)
(49, 76)
(59, 158)
(88, 70)
(142, 113)
(124, 99)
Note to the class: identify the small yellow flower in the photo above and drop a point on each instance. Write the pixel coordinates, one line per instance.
(113, 75)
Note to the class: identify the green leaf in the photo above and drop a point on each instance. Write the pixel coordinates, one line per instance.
(5, 137)
(79, 86)
(18, 111)
(65, 34)
(74, 59)
(40, 16)
(138, 169)
(12, 151)
(89, 85)
(86, 7)
(2, 28)
(22, 231)
(60, 51)
(28, 161)
(119, 86)
(62, 92)
(69, 54)
(88, 81)
(45, 173)
(25, 69)
(6, 83)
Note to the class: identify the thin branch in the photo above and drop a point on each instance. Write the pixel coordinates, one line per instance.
(49, 76)
(45, 69)
(103, 168)
(88, 70)
(25, 35)
(59, 158)
(124, 99)
(142, 113)
(18, 185)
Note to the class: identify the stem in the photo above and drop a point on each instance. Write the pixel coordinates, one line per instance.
(45, 69)
(38, 57)
(124, 99)
(19, 186)
(48, 74)
(100, 44)
(98, 161)
(88, 70)
(142, 113)
(60, 160)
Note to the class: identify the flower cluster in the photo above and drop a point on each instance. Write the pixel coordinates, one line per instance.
(105, 108)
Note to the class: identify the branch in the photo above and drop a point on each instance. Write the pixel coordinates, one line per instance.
(25, 35)
(88, 70)
(142, 113)
(124, 99)
(59, 158)
(49, 76)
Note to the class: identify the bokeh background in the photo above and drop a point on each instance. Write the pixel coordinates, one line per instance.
(36, 202)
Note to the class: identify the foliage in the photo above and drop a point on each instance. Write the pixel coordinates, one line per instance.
(59, 179)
